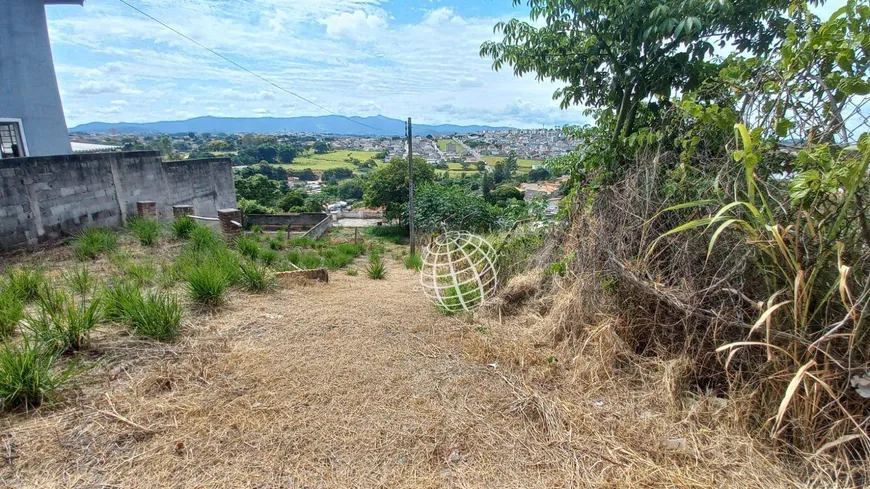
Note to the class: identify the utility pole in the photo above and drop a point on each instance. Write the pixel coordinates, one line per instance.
(411, 188)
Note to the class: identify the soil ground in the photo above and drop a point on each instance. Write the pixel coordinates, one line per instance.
(361, 383)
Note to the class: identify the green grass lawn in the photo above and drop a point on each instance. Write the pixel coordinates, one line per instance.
(442, 145)
(528, 164)
(328, 161)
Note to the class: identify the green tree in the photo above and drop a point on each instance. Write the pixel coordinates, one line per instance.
(260, 189)
(503, 194)
(336, 174)
(321, 147)
(538, 174)
(388, 185)
(287, 154)
(293, 201)
(439, 207)
(614, 54)
(306, 175)
(486, 186)
(350, 190)
(267, 152)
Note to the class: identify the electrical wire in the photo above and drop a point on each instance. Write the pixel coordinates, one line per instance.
(239, 66)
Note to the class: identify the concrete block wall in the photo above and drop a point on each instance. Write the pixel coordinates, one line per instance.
(320, 229)
(51, 197)
(302, 221)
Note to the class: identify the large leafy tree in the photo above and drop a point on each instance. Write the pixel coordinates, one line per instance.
(388, 185)
(615, 54)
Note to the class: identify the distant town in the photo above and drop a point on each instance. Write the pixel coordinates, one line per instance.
(528, 144)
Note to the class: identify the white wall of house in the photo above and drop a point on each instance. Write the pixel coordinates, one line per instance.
(28, 84)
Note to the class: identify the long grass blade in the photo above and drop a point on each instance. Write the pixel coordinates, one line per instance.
(789, 392)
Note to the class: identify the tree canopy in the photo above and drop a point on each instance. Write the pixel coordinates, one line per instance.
(616, 54)
(388, 185)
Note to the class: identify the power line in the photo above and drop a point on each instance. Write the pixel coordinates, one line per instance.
(237, 65)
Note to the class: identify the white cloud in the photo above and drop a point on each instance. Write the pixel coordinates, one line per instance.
(249, 96)
(357, 25)
(261, 111)
(120, 102)
(442, 15)
(311, 47)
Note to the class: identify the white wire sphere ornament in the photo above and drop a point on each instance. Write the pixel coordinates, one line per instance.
(459, 271)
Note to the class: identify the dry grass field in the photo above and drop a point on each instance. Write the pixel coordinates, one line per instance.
(361, 383)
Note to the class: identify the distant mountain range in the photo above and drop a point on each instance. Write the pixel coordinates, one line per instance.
(330, 124)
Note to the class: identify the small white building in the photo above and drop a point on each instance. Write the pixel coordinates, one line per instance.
(32, 122)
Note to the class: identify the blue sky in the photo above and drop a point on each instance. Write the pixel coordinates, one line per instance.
(399, 58)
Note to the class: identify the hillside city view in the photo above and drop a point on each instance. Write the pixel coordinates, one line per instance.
(435, 244)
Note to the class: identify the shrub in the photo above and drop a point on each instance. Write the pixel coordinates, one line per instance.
(414, 262)
(157, 316)
(93, 242)
(276, 244)
(26, 283)
(376, 268)
(248, 247)
(353, 273)
(256, 278)
(79, 280)
(69, 328)
(392, 234)
(28, 377)
(183, 227)
(147, 231)
(269, 257)
(120, 301)
(293, 256)
(11, 312)
(207, 285)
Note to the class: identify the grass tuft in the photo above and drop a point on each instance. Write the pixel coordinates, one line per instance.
(309, 261)
(11, 312)
(28, 376)
(26, 283)
(68, 326)
(120, 301)
(147, 231)
(204, 238)
(79, 279)
(157, 316)
(414, 262)
(208, 285)
(376, 268)
(183, 227)
(248, 247)
(93, 242)
(256, 278)
(269, 257)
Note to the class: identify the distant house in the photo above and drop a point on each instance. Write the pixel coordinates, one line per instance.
(452, 148)
(32, 122)
(531, 191)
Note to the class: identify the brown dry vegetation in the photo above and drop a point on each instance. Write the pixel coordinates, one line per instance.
(361, 383)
